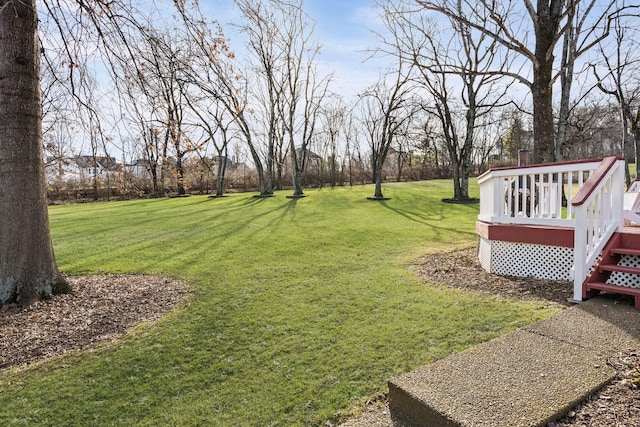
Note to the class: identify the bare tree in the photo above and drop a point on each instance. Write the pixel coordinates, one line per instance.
(426, 142)
(593, 131)
(264, 26)
(445, 58)
(315, 90)
(350, 146)
(213, 70)
(164, 73)
(487, 139)
(617, 76)
(534, 32)
(385, 109)
(58, 118)
(333, 119)
(303, 90)
(140, 111)
(28, 270)
(402, 149)
(140, 103)
(58, 123)
(58, 147)
(153, 86)
(286, 84)
(216, 127)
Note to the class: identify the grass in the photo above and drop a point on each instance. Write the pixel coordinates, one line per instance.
(301, 309)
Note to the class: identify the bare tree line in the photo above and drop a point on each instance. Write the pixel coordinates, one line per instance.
(188, 97)
(171, 91)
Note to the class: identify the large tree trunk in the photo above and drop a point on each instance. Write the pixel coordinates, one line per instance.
(467, 148)
(377, 178)
(377, 164)
(548, 16)
(179, 174)
(28, 269)
(269, 174)
(457, 184)
(297, 169)
(566, 81)
(222, 171)
(543, 122)
(626, 144)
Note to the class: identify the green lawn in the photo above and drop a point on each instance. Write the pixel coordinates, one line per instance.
(300, 309)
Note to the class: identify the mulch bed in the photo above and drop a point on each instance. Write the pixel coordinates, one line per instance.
(461, 270)
(100, 309)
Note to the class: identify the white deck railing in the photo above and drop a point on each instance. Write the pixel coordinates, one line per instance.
(532, 195)
(599, 213)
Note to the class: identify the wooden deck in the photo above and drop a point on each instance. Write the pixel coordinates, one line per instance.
(631, 229)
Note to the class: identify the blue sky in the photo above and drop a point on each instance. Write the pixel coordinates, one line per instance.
(343, 27)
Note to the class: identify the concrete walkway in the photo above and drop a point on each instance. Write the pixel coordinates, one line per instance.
(528, 377)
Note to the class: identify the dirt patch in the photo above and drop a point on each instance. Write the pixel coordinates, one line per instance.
(99, 309)
(616, 404)
(461, 270)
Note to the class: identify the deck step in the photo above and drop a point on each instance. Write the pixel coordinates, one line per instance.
(625, 251)
(619, 268)
(601, 286)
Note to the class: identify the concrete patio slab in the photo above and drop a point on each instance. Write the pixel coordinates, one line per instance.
(529, 377)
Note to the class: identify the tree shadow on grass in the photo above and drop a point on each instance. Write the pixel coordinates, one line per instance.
(431, 218)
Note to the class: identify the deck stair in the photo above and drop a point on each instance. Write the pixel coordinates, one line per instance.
(618, 270)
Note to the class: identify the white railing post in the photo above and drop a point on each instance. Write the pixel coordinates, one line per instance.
(598, 208)
(579, 251)
(618, 196)
(559, 193)
(498, 202)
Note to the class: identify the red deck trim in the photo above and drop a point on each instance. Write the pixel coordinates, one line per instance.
(535, 235)
(600, 286)
(594, 179)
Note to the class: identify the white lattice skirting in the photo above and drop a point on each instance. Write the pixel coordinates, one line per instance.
(525, 259)
(625, 279)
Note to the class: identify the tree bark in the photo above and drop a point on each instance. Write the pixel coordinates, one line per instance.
(548, 19)
(297, 169)
(635, 131)
(222, 170)
(543, 123)
(28, 270)
(377, 179)
(566, 81)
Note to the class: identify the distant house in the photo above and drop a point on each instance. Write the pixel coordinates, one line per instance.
(232, 164)
(93, 166)
(81, 167)
(139, 168)
(313, 162)
(230, 161)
